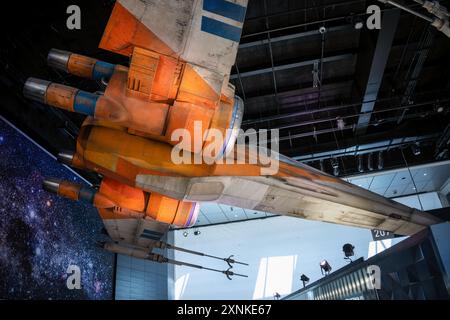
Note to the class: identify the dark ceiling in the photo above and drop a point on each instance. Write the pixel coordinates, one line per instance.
(376, 90)
(382, 90)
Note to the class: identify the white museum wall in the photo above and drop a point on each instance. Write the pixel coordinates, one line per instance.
(278, 249)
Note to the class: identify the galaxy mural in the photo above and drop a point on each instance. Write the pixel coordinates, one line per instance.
(42, 234)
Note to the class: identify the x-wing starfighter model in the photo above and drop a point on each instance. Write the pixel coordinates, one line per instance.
(181, 54)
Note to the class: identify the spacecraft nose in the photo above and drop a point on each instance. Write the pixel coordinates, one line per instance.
(35, 89)
(66, 157)
(51, 185)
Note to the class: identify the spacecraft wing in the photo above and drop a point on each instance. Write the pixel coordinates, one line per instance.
(298, 191)
(204, 34)
(143, 233)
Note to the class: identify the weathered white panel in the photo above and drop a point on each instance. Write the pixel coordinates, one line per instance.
(179, 25)
(170, 20)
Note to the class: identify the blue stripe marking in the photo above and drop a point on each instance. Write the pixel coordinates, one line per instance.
(85, 102)
(102, 70)
(221, 29)
(87, 194)
(225, 9)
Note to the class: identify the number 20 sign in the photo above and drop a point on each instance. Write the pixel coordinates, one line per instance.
(378, 234)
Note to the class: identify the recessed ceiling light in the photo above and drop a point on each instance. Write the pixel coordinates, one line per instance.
(359, 25)
(425, 174)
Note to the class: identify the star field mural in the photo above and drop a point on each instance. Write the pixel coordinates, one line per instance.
(41, 234)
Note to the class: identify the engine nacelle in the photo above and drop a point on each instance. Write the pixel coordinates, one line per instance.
(156, 96)
(154, 205)
(123, 201)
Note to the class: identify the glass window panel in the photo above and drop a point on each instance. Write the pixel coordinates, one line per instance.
(342, 289)
(334, 286)
(347, 286)
(363, 280)
(357, 285)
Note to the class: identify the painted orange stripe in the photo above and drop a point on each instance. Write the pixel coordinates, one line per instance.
(124, 196)
(108, 214)
(69, 190)
(101, 201)
(123, 32)
(60, 96)
(194, 89)
(81, 65)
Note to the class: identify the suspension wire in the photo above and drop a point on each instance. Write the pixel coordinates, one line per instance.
(269, 39)
(412, 179)
(322, 53)
(320, 87)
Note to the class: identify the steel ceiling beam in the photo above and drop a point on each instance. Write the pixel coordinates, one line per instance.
(382, 49)
(293, 36)
(309, 8)
(322, 109)
(413, 74)
(300, 89)
(346, 127)
(366, 148)
(292, 65)
(349, 116)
